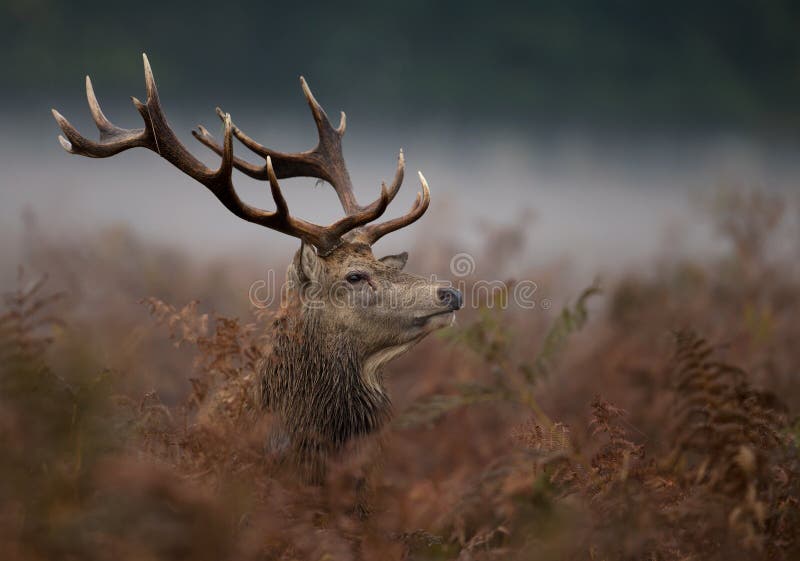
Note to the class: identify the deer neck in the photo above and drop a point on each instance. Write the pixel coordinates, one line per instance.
(321, 386)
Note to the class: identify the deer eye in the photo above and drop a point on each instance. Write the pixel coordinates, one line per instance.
(354, 278)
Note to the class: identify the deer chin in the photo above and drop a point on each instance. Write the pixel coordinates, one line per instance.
(375, 362)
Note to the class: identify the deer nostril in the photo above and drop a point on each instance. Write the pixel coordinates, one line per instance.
(450, 297)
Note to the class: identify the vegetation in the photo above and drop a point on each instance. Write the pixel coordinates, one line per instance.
(655, 420)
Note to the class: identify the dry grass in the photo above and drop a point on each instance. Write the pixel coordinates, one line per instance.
(609, 430)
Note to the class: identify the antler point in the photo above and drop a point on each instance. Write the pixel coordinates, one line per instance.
(65, 144)
(426, 191)
(149, 80)
(281, 207)
(306, 89)
(61, 120)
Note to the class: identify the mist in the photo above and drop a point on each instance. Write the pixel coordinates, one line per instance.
(598, 201)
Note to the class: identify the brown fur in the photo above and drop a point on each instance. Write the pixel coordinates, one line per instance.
(324, 376)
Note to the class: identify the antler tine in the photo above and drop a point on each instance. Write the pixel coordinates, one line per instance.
(205, 138)
(103, 124)
(282, 209)
(373, 232)
(158, 137)
(320, 117)
(397, 182)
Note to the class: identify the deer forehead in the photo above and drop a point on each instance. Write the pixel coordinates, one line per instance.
(348, 253)
(356, 257)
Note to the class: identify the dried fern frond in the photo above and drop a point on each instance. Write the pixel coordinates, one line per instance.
(569, 321)
(728, 441)
(27, 323)
(427, 410)
(186, 325)
(534, 436)
(716, 411)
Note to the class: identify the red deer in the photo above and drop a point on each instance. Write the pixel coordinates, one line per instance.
(347, 313)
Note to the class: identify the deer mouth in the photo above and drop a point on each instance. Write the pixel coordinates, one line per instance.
(426, 319)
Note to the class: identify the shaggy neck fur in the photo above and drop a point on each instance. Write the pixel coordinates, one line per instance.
(319, 387)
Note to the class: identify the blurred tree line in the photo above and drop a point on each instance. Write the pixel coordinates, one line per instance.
(619, 62)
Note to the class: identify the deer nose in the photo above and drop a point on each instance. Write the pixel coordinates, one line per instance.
(450, 297)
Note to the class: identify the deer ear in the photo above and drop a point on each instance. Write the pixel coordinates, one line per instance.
(310, 263)
(395, 261)
(306, 266)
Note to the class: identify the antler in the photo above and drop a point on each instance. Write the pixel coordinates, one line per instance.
(325, 161)
(159, 137)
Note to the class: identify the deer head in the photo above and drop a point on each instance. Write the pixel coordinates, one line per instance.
(355, 309)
